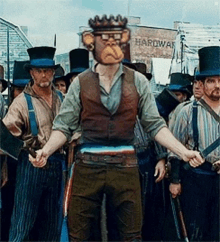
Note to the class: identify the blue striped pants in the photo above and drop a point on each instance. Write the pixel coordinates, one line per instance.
(37, 212)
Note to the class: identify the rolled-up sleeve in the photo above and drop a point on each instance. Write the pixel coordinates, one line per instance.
(68, 119)
(149, 116)
(180, 129)
(14, 119)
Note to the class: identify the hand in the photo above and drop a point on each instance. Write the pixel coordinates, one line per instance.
(40, 160)
(175, 189)
(160, 170)
(2, 153)
(216, 166)
(193, 157)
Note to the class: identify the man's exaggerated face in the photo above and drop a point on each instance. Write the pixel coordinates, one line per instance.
(42, 77)
(107, 48)
(107, 45)
(211, 88)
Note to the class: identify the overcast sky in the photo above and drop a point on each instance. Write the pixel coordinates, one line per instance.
(45, 18)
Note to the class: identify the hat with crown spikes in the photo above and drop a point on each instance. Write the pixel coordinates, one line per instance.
(108, 24)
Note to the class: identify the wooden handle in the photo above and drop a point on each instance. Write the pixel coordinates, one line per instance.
(32, 152)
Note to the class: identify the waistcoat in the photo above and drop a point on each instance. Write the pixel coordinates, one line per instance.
(98, 124)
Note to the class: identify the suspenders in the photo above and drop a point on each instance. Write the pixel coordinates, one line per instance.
(212, 146)
(195, 125)
(32, 116)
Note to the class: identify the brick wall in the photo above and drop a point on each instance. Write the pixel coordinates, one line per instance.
(149, 42)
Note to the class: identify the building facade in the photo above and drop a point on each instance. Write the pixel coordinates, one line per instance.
(13, 46)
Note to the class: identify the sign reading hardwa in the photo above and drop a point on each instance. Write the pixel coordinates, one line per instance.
(149, 42)
(154, 43)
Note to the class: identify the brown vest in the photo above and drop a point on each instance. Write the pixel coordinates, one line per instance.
(98, 124)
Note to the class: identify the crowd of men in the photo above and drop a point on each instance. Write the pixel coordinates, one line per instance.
(156, 160)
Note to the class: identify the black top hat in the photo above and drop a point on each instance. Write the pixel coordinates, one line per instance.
(79, 61)
(166, 102)
(209, 62)
(181, 82)
(142, 68)
(20, 76)
(59, 73)
(2, 80)
(41, 57)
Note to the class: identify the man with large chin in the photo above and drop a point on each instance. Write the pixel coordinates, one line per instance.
(105, 101)
(199, 187)
(37, 209)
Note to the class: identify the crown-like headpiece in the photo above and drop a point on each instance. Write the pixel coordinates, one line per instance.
(106, 24)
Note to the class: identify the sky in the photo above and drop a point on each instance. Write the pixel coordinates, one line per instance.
(45, 18)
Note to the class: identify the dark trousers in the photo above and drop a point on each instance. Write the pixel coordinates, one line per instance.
(122, 188)
(200, 205)
(38, 201)
(7, 195)
(154, 196)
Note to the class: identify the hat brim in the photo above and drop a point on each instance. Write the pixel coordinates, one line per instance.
(178, 88)
(130, 65)
(27, 67)
(20, 82)
(148, 75)
(75, 71)
(59, 77)
(63, 78)
(204, 74)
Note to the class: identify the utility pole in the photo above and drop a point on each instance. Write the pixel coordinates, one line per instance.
(182, 45)
(8, 67)
(128, 8)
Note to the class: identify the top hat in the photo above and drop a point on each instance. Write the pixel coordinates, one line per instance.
(181, 82)
(79, 61)
(2, 80)
(166, 102)
(20, 76)
(209, 62)
(127, 63)
(41, 57)
(142, 68)
(59, 73)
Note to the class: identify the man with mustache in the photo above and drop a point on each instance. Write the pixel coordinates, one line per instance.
(199, 187)
(37, 210)
(105, 101)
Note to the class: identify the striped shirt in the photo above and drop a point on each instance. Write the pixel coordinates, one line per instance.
(208, 129)
(2, 106)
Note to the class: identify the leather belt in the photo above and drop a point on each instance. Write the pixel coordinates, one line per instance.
(120, 159)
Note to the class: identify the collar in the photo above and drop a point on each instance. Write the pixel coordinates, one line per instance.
(119, 72)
